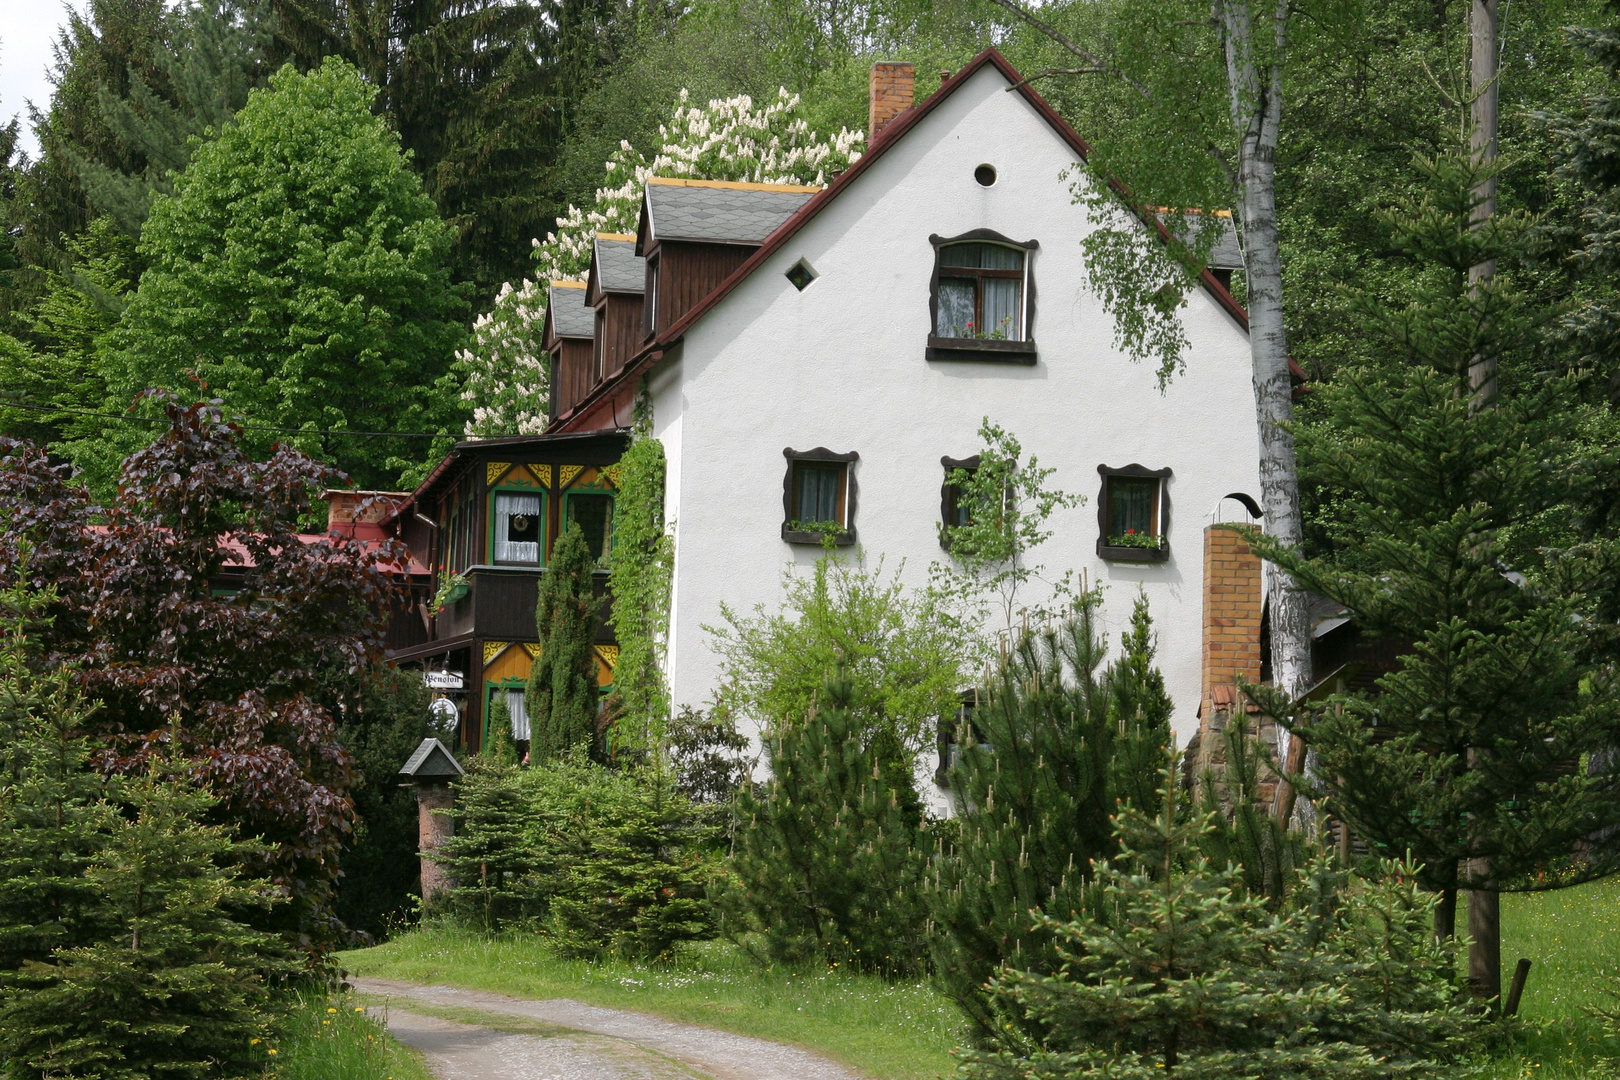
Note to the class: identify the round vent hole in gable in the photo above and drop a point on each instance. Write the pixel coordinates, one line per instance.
(985, 175)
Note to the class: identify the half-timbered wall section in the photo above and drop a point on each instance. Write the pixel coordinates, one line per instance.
(492, 510)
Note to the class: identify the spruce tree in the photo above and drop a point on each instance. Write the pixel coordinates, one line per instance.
(53, 817)
(1179, 971)
(492, 857)
(1459, 539)
(563, 694)
(175, 985)
(212, 55)
(826, 866)
(630, 866)
(1052, 748)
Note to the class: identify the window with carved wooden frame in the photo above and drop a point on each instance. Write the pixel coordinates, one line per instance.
(981, 298)
(953, 509)
(1133, 514)
(818, 496)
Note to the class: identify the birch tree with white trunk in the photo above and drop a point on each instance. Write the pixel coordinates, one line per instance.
(1157, 52)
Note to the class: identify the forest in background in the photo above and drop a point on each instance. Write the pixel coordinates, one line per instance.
(506, 115)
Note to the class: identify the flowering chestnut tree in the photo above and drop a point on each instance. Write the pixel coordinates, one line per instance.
(505, 370)
(194, 612)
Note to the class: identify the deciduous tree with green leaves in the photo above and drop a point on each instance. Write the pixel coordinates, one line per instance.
(903, 651)
(1004, 506)
(300, 272)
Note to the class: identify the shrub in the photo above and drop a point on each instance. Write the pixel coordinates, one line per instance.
(1055, 744)
(827, 865)
(903, 654)
(607, 862)
(1179, 970)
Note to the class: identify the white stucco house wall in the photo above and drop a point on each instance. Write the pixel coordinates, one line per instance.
(854, 362)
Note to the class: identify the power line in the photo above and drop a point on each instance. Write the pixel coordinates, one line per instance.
(9, 404)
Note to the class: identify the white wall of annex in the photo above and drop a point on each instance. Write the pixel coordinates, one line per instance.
(842, 365)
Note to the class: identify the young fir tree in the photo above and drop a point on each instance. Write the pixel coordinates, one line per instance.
(492, 857)
(175, 985)
(53, 817)
(1048, 755)
(1180, 971)
(631, 870)
(1459, 539)
(1244, 830)
(826, 865)
(563, 694)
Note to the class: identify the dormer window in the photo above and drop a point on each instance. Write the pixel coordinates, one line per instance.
(982, 298)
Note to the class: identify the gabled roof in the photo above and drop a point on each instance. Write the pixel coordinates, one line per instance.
(431, 761)
(896, 130)
(715, 211)
(615, 267)
(567, 315)
(1226, 253)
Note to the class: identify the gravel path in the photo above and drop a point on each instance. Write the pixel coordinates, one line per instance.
(569, 1040)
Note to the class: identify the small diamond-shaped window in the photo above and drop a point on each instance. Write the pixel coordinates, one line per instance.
(801, 274)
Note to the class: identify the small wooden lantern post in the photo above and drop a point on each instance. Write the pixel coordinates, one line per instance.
(430, 770)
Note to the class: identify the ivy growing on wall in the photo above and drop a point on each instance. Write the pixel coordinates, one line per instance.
(643, 563)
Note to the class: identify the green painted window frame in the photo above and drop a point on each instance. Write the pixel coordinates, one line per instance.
(491, 686)
(489, 516)
(613, 514)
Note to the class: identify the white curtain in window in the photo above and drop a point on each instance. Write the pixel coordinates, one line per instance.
(517, 706)
(1002, 318)
(956, 308)
(517, 528)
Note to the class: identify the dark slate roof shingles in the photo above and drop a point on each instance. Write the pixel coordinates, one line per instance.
(739, 215)
(570, 317)
(618, 268)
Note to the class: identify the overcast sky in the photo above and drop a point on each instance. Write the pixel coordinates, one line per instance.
(27, 28)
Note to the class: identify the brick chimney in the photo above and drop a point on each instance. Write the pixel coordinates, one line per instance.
(1232, 594)
(360, 513)
(893, 88)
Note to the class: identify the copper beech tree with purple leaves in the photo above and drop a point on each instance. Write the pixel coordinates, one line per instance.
(193, 610)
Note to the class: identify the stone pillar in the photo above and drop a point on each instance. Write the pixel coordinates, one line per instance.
(432, 830)
(892, 90)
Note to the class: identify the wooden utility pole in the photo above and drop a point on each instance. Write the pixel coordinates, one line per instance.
(1484, 905)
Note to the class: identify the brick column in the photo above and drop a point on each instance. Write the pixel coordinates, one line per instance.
(432, 829)
(893, 88)
(1231, 638)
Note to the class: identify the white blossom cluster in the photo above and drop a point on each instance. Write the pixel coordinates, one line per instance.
(505, 368)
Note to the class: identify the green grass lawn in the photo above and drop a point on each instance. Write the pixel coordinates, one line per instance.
(334, 1038)
(906, 1031)
(895, 1031)
(1572, 938)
